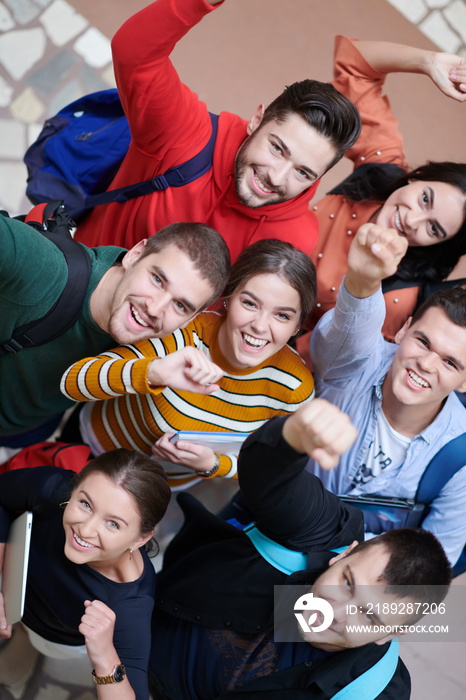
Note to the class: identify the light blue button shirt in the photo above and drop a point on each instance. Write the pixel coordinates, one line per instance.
(350, 359)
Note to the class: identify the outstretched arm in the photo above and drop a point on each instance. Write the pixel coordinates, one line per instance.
(288, 504)
(167, 119)
(446, 70)
(374, 255)
(347, 341)
(132, 370)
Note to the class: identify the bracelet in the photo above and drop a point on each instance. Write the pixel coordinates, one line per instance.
(212, 471)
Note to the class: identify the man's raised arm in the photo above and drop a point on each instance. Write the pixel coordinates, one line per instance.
(288, 504)
(374, 255)
(349, 334)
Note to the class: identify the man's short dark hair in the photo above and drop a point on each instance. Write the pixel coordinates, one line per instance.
(451, 301)
(418, 567)
(204, 247)
(321, 106)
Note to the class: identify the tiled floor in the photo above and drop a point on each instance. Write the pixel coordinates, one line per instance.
(53, 51)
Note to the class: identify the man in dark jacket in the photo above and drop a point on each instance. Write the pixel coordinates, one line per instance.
(215, 634)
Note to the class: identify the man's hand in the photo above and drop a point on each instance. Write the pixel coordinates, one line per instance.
(186, 370)
(321, 430)
(375, 254)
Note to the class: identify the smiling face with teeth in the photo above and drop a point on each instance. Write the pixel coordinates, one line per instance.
(102, 523)
(279, 160)
(155, 294)
(425, 212)
(429, 364)
(263, 313)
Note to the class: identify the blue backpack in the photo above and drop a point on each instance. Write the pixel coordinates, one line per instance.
(80, 149)
(383, 513)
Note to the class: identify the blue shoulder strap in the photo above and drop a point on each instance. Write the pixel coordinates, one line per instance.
(370, 684)
(443, 465)
(288, 561)
(285, 560)
(182, 174)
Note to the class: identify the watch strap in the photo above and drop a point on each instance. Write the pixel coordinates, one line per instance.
(116, 676)
(212, 471)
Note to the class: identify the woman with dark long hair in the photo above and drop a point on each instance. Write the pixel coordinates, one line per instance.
(427, 204)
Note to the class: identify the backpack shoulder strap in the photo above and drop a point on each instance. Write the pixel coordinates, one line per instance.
(443, 465)
(285, 560)
(182, 174)
(67, 308)
(370, 684)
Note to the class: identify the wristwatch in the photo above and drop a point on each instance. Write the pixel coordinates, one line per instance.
(117, 675)
(212, 471)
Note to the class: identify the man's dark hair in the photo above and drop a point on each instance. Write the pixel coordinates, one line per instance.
(204, 247)
(451, 301)
(418, 567)
(321, 106)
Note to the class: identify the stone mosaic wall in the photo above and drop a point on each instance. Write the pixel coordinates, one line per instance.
(443, 21)
(49, 56)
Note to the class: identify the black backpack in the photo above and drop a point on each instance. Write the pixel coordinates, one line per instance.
(52, 221)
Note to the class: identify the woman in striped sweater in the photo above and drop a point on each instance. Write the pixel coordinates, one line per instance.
(271, 289)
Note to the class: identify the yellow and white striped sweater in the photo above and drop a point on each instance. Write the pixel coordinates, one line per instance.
(130, 413)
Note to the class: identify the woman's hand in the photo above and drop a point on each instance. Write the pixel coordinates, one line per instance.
(186, 370)
(5, 630)
(97, 625)
(448, 72)
(197, 457)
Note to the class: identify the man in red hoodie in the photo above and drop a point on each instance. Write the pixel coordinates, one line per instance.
(264, 172)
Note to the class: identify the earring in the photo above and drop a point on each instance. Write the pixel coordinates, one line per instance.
(130, 554)
(63, 504)
(225, 304)
(297, 331)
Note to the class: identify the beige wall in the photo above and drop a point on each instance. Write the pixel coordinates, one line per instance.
(248, 50)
